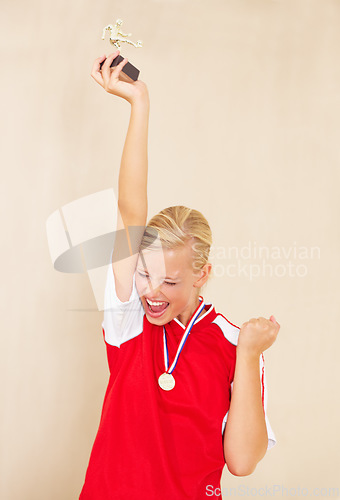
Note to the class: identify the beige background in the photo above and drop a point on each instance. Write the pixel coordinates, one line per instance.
(244, 126)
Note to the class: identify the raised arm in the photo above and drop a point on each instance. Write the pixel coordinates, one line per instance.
(132, 182)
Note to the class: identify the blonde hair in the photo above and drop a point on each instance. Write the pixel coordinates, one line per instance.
(178, 226)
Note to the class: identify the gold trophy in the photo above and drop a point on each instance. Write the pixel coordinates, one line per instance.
(116, 37)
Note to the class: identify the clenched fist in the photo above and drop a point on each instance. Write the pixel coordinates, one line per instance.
(256, 335)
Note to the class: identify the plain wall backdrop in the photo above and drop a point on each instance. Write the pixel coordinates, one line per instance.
(244, 126)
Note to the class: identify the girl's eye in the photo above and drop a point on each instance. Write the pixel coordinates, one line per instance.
(145, 276)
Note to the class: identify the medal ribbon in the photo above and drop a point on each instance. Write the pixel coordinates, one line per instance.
(184, 338)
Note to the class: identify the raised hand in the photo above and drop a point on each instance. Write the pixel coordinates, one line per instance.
(114, 81)
(257, 334)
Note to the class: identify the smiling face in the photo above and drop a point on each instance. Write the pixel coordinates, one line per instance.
(167, 276)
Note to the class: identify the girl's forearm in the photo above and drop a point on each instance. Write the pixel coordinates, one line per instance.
(132, 182)
(245, 438)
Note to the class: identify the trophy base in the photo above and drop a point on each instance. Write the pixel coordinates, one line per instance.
(129, 71)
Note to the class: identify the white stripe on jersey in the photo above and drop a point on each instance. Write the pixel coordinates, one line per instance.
(230, 331)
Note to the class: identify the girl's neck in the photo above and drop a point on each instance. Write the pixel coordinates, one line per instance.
(186, 315)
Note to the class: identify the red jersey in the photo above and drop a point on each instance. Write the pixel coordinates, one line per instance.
(154, 444)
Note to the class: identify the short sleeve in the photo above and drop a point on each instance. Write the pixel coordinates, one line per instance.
(122, 320)
(264, 395)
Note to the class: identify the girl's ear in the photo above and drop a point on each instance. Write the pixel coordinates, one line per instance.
(204, 275)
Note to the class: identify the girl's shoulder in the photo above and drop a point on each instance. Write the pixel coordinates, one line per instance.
(229, 329)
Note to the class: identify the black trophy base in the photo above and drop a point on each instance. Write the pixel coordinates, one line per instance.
(129, 70)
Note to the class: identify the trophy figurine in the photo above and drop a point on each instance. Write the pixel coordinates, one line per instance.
(116, 36)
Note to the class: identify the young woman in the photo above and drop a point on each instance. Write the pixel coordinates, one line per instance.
(187, 390)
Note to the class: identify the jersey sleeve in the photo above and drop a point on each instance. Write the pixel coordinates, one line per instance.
(122, 320)
(264, 395)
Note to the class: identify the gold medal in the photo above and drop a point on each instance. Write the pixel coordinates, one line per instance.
(166, 381)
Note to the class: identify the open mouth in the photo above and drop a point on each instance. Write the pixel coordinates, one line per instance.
(156, 308)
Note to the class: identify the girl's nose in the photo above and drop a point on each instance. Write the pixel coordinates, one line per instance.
(153, 287)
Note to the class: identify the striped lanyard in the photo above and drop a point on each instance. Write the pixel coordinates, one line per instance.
(166, 380)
